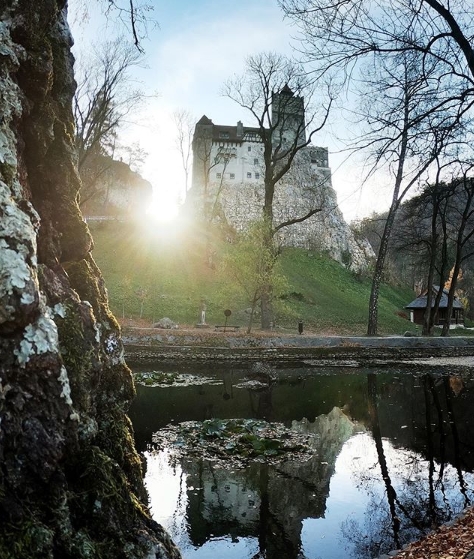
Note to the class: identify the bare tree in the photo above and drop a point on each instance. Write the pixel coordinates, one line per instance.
(339, 36)
(401, 137)
(421, 232)
(105, 98)
(133, 16)
(249, 262)
(206, 160)
(133, 155)
(463, 233)
(278, 95)
(438, 226)
(435, 201)
(185, 123)
(437, 244)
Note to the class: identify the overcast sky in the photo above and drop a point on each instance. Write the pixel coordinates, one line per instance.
(197, 46)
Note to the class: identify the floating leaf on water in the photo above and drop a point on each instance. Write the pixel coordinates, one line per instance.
(238, 440)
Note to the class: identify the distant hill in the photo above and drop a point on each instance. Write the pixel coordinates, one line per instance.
(149, 276)
(111, 188)
(410, 246)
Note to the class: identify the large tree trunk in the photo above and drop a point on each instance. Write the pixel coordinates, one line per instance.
(70, 478)
(377, 436)
(266, 308)
(397, 197)
(372, 324)
(451, 292)
(266, 295)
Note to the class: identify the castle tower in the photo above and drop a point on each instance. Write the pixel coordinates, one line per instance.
(202, 148)
(288, 118)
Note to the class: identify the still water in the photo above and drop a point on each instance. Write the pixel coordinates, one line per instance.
(393, 458)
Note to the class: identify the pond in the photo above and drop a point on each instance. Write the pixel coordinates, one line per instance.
(393, 458)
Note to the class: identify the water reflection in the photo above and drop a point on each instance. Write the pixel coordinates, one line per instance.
(393, 457)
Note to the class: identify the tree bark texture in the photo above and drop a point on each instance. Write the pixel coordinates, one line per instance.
(70, 478)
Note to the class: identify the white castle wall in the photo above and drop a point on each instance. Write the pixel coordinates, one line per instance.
(229, 165)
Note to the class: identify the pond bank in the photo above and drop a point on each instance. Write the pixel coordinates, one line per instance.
(451, 541)
(149, 343)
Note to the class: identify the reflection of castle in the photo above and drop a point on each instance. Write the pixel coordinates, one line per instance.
(427, 416)
(268, 502)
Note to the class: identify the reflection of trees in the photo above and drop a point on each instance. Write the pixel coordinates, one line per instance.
(455, 435)
(377, 435)
(261, 402)
(261, 396)
(438, 515)
(424, 488)
(431, 398)
(419, 491)
(274, 538)
(372, 537)
(228, 395)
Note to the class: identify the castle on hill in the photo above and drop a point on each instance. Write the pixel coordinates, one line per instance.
(228, 182)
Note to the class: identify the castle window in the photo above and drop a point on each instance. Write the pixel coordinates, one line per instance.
(232, 175)
(257, 175)
(249, 175)
(218, 175)
(255, 161)
(224, 135)
(249, 148)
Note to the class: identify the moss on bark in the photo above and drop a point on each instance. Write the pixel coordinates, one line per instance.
(70, 478)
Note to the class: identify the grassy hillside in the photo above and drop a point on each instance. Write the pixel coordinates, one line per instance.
(147, 274)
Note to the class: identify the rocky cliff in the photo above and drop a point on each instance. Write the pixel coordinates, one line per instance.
(70, 478)
(326, 231)
(305, 187)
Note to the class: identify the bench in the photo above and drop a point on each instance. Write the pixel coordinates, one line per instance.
(226, 326)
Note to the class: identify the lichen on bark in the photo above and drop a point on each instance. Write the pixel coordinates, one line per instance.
(70, 478)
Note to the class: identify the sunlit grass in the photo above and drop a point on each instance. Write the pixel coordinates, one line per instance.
(155, 274)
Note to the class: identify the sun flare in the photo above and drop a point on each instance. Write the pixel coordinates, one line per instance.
(164, 206)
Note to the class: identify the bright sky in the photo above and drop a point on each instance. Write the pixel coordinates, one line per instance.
(198, 45)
